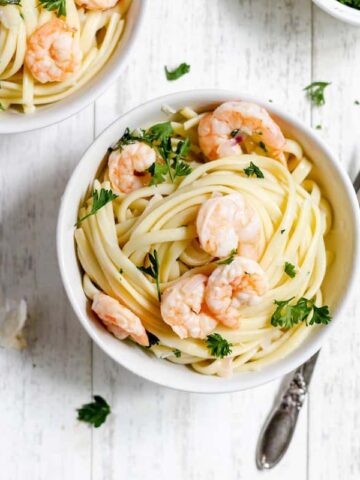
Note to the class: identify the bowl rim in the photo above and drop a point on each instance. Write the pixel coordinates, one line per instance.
(340, 11)
(79, 100)
(209, 96)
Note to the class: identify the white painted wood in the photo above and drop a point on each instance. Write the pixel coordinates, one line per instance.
(272, 48)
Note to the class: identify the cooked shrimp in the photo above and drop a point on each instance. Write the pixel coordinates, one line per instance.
(228, 223)
(127, 167)
(182, 308)
(96, 4)
(118, 319)
(53, 53)
(235, 123)
(241, 283)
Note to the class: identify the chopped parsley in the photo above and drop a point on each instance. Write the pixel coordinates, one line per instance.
(121, 271)
(153, 271)
(318, 127)
(282, 231)
(234, 133)
(177, 353)
(99, 200)
(315, 92)
(229, 259)
(289, 269)
(252, 169)
(287, 315)
(218, 346)
(356, 102)
(351, 3)
(178, 72)
(57, 6)
(158, 172)
(153, 339)
(95, 412)
(263, 146)
(3, 3)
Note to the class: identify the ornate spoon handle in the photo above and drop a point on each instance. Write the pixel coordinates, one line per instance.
(279, 428)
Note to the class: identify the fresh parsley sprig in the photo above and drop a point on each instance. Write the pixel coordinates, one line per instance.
(289, 269)
(99, 200)
(4, 3)
(177, 352)
(153, 339)
(153, 271)
(95, 412)
(315, 92)
(218, 346)
(229, 259)
(178, 72)
(57, 6)
(287, 315)
(351, 3)
(252, 169)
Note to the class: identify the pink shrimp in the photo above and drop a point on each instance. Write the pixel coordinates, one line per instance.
(183, 309)
(53, 52)
(235, 124)
(228, 223)
(127, 167)
(118, 319)
(240, 283)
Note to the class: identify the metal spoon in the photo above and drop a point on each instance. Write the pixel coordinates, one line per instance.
(278, 430)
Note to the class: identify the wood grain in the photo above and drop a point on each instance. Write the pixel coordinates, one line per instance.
(270, 48)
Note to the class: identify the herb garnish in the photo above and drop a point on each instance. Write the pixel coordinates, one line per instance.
(351, 3)
(94, 413)
(3, 3)
(99, 200)
(286, 315)
(252, 169)
(235, 132)
(177, 353)
(282, 231)
(315, 92)
(2, 109)
(218, 346)
(153, 271)
(289, 269)
(58, 6)
(263, 146)
(158, 172)
(356, 102)
(178, 72)
(121, 271)
(229, 259)
(153, 339)
(318, 127)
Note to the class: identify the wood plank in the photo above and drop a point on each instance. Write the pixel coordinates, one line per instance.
(44, 384)
(264, 48)
(334, 446)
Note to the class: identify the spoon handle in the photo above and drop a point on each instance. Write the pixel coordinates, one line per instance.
(279, 428)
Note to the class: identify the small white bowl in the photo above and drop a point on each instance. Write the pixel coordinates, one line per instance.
(12, 122)
(340, 11)
(338, 285)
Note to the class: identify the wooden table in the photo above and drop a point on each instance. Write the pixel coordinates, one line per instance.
(271, 48)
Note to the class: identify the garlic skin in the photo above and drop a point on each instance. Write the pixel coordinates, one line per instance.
(13, 315)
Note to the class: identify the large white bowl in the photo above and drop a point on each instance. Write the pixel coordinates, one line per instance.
(337, 287)
(11, 122)
(338, 10)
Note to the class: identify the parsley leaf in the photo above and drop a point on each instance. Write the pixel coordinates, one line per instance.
(351, 3)
(177, 353)
(263, 147)
(318, 127)
(99, 200)
(218, 346)
(59, 6)
(153, 271)
(321, 315)
(153, 339)
(181, 168)
(94, 413)
(286, 315)
(178, 72)
(356, 102)
(282, 231)
(3, 3)
(315, 92)
(235, 132)
(289, 269)
(229, 259)
(158, 132)
(252, 169)
(157, 171)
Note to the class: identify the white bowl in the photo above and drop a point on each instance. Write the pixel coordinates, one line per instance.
(12, 122)
(338, 285)
(338, 10)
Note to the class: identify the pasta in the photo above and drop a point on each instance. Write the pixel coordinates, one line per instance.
(48, 51)
(158, 224)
